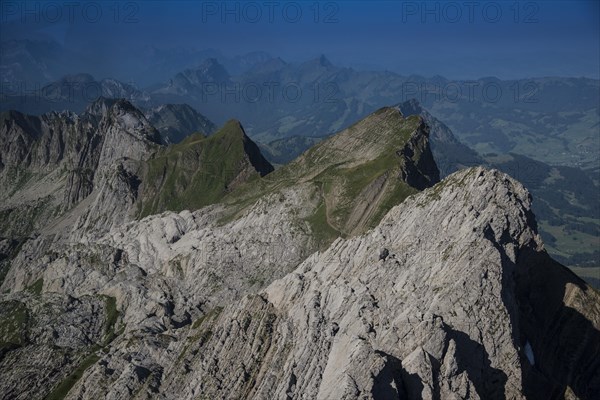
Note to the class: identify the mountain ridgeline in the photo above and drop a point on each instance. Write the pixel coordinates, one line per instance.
(550, 119)
(534, 125)
(132, 266)
(357, 175)
(51, 163)
(200, 170)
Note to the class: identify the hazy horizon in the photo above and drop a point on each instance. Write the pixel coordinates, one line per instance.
(459, 41)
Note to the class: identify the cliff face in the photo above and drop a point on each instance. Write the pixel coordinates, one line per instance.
(450, 154)
(53, 162)
(419, 169)
(453, 311)
(332, 277)
(456, 308)
(559, 317)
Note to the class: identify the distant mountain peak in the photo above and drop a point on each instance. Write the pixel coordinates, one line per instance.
(175, 122)
(211, 61)
(232, 128)
(320, 61)
(221, 162)
(106, 103)
(270, 65)
(410, 107)
(127, 116)
(78, 78)
(324, 61)
(210, 70)
(212, 64)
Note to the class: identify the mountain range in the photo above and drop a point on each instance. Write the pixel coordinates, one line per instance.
(565, 179)
(134, 268)
(552, 119)
(39, 61)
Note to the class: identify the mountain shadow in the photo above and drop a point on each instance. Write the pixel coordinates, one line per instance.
(565, 343)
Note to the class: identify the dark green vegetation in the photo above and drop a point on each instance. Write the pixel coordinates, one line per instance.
(36, 287)
(110, 304)
(9, 248)
(13, 325)
(65, 386)
(200, 170)
(323, 232)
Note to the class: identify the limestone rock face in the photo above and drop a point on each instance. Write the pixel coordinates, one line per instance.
(441, 317)
(53, 162)
(451, 312)
(448, 294)
(47, 333)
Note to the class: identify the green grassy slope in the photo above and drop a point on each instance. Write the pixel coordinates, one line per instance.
(355, 174)
(196, 172)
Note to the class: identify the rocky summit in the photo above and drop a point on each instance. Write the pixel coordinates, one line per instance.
(134, 267)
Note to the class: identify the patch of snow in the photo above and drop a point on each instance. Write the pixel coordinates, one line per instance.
(529, 353)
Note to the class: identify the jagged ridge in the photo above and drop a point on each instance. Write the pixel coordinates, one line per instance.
(444, 311)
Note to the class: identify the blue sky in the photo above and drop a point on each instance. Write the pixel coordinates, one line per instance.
(460, 39)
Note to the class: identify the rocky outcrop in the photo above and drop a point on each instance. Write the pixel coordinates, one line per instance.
(51, 163)
(419, 169)
(457, 314)
(52, 333)
(444, 316)
(450, 154)
(307, 282)
(168, 270)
